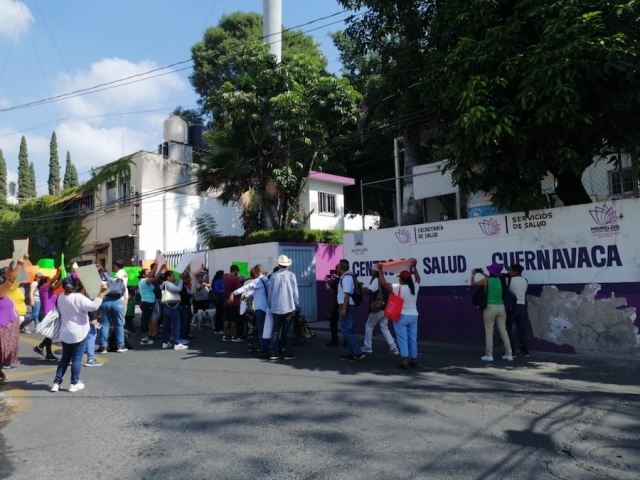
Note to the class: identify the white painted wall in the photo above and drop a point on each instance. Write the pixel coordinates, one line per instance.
(265, 254)
(319, 221)
(168, 221)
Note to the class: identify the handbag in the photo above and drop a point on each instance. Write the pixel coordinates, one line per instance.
(50, 325)
(394, 306)
(170, 297)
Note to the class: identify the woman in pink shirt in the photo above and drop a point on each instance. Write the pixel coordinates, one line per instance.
(9, 323)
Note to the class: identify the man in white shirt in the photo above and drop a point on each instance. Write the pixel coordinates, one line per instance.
(518, 286)
(375, 318)
(346, 287)
(283, 301)
(258, 289)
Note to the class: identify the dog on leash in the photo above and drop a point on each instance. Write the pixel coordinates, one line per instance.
(203, 318)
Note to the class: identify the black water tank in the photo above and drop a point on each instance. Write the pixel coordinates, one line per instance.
(195, 136)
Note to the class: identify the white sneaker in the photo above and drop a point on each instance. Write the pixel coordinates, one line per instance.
(508, 358)
(487, 358)
(55, 387)
(394, 351)
(76, 387)
(166, 345)
(366, 349)
(146, 341)
(180, 346)
(184, 342)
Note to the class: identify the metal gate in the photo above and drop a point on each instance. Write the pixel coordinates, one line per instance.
(304, 266)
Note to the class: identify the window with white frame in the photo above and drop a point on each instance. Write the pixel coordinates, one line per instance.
(112, 188)
(326, 203)
(620, 181)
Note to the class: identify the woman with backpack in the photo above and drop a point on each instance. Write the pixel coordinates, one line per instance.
(407, 326)
(494, 312)
(170, 312)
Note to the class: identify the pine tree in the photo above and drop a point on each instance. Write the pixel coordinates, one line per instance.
(70, 174)
(32, 181)
(3, 178)
(24, 171)
(12, 189)
(54, 166)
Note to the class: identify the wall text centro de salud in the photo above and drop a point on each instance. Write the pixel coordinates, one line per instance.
(598, 256)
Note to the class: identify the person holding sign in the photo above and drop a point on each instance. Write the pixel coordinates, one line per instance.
(407, 326)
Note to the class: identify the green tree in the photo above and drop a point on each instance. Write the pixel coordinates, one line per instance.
(12, 189)
(189, 115)
(54, 166)
(3, 178)
(216, 56)
(32, 181)
(527, 87)
(25, 187)
(389, 39)
(272, 127)
(70, 174)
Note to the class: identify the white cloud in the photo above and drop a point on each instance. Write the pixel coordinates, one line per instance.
(4, 102)
(15, 17)
(148, 88)
(93, 142)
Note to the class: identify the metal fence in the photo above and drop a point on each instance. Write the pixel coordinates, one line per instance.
(430, 196)
(174, 256)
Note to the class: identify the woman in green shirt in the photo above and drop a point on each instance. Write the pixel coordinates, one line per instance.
(494, 313)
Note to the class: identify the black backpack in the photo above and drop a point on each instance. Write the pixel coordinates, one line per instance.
(358, 293)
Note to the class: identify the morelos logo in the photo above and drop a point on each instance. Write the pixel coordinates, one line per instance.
(359, 239)
(607, 220)
(404, 236)
(490, 227)
(604, 215)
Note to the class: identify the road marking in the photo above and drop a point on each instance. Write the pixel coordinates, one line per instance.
(35, 342)
(29, 373)
(15, 399)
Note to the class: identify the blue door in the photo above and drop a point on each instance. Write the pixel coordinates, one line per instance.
(304, 266)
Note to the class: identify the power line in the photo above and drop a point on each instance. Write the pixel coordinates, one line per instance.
(111, 84)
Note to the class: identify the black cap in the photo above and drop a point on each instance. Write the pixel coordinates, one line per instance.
(119, 263)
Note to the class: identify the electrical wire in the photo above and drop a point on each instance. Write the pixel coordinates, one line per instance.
(109, 85)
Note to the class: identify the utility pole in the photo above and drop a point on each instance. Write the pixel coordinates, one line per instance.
(272, 26)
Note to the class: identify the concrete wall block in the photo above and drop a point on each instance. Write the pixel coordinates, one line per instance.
(587, 324)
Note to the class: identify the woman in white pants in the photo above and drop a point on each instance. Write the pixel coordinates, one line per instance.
(376, 318)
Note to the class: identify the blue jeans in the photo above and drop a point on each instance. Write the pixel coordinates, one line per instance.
(346, 327)
(71, 353)
(185, 316)
(261, 315)
(112, 314)
(170, 318)
(35, 314)
(284, 322)
(90, 346)
(407, 335)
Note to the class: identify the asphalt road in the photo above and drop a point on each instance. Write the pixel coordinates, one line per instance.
(212, 412)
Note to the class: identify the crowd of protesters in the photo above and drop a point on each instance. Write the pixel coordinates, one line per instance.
(258, 309)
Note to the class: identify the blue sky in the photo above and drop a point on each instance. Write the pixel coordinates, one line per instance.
(48, 48)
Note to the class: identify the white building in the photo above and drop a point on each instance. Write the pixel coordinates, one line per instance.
(603, 180)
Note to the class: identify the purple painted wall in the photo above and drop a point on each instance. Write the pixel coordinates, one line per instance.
(327, 256)
(447, 315)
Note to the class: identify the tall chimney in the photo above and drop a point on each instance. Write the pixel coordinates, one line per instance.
(272, 30)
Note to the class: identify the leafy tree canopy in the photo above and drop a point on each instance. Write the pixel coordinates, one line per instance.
(527, 87)
(216, 57)
(273, 122)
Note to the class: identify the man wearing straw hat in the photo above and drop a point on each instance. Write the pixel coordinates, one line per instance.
(283, 301)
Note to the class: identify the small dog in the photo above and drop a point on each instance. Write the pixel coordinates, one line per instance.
(203, 318)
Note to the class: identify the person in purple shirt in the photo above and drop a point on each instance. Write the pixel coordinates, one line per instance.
(47, 288)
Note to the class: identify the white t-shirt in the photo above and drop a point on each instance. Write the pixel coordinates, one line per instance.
(374, 286)
(74, 322)
(125, 278)
(409, 306)
(518, 287)
(346, 285)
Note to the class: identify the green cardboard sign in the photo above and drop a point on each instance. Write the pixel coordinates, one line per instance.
(243, 267)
